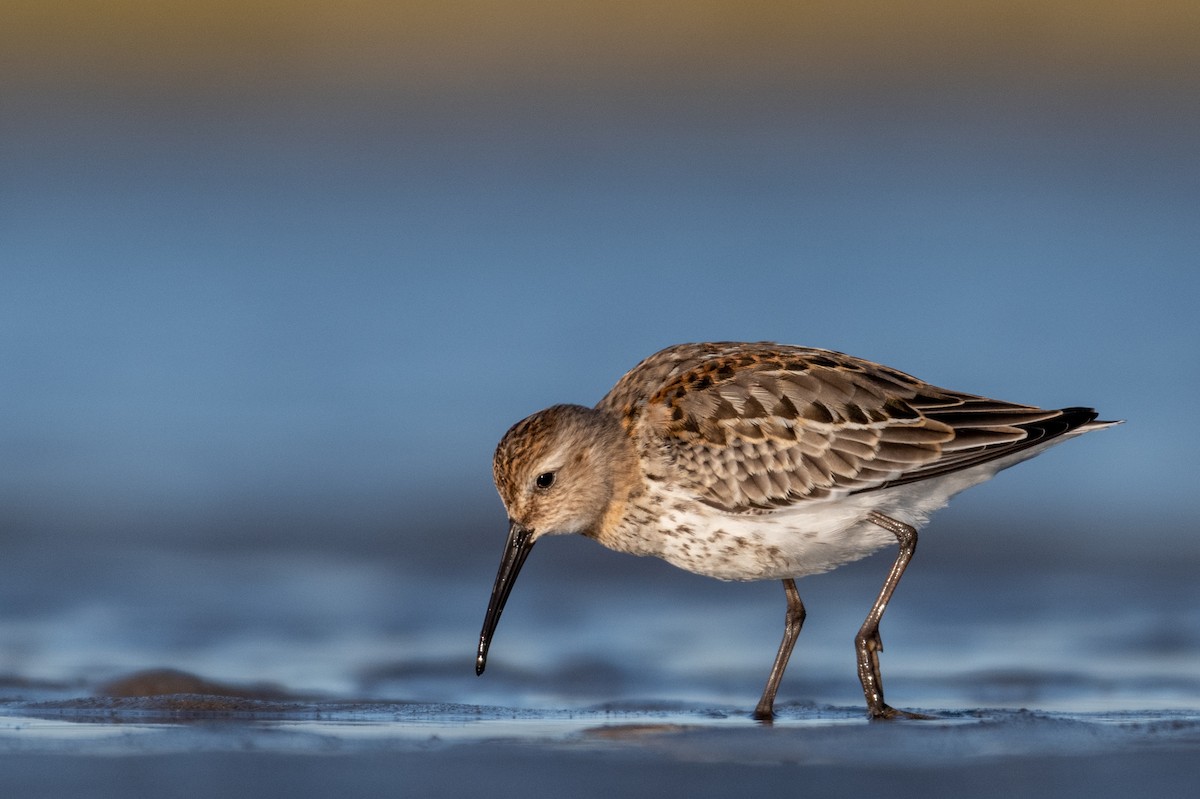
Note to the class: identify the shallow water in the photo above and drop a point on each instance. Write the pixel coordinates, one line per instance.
(113, 748)
(586, 627)
(601, 661)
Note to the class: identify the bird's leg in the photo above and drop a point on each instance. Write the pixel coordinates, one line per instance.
(793, 621)
(867, 643)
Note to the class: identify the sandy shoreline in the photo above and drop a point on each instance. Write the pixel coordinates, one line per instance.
(165, 746)
(507, 770)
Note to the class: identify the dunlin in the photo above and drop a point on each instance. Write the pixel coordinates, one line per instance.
(760, 462)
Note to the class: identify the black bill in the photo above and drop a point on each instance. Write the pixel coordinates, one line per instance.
(516, 549)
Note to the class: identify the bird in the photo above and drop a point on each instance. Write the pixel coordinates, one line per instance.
(760, 461)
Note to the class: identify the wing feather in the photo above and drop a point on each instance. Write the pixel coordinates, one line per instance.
(757, 427)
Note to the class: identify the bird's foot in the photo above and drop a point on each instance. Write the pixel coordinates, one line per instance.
(886, 712)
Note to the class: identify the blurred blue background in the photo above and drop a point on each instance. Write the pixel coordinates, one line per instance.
(279, 276)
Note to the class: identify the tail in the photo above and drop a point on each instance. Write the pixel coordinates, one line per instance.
(980, 419)
(1083, 420)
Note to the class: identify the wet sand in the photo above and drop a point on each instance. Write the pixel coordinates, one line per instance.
(197, 745)
(151, 673)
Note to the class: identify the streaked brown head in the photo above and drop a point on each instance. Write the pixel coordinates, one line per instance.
(557, 471)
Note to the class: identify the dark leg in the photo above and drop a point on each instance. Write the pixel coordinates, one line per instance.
(792, 623)
(867, 643)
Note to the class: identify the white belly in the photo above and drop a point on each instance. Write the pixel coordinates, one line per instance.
(808, 538)
(770, 546)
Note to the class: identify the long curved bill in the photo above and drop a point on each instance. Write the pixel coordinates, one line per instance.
(516, 549)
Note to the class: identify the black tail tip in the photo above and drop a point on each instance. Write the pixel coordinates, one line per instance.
(1081, 417)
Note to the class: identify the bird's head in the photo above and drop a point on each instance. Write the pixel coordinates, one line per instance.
(558, 471)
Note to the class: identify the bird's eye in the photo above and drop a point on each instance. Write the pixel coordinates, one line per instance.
(545, 480)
